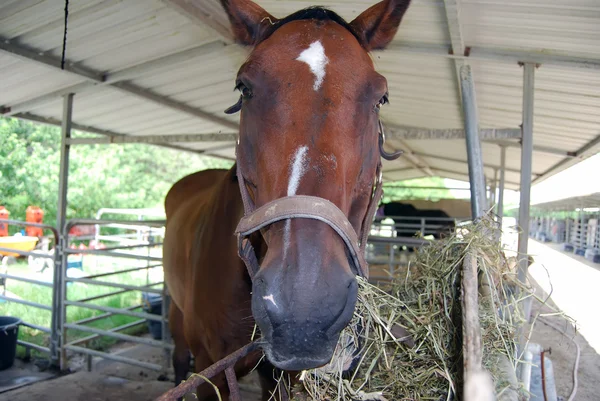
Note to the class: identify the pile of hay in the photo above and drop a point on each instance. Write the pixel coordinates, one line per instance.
(407, 344)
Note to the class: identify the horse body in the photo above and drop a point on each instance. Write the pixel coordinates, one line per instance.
(399, 209)
(210, 312)
(309, 132)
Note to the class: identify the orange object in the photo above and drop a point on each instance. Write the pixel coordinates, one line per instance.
(4, 214)
(34, 214)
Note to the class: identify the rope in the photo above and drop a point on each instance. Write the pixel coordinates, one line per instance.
(64, 46)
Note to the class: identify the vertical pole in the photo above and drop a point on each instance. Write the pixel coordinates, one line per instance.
(474, 156)
(493, 188)
(501, 189)
(60, 269)
(526, 159)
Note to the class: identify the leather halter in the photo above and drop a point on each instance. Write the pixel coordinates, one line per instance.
(309, 207)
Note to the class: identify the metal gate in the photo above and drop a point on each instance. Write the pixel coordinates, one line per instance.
(130, 256)
(53, 329)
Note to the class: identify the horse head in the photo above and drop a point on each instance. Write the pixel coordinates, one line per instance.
(309, 99)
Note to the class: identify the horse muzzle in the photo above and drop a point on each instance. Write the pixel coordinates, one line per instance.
(301, 309)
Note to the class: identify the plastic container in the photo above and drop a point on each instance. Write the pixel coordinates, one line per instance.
(4, 214)
(153, 304)
(9, 331)
(590, 254)
(33, 214)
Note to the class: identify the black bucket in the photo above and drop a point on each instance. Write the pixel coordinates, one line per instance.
(9, 331)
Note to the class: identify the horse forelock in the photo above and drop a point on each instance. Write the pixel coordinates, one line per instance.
(317, 13)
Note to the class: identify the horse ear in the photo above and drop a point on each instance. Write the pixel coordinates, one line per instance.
(378, 24)
(248, 21)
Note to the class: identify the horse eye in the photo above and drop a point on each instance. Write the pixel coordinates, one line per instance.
(382, 101)
(244, 90)
(246, 94)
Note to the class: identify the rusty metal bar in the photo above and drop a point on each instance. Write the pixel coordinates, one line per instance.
(195, 380)
(232, 383)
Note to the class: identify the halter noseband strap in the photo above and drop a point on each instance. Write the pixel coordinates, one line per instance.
(310, 207)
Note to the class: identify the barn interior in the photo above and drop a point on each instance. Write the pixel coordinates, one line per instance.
(502, 95)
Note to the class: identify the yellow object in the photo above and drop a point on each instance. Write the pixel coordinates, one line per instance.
(19, 243)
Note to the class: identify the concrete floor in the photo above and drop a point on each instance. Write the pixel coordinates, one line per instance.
(112, 381)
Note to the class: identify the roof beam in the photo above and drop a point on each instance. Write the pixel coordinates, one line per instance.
(409, 133)
(441, 172)
(465, 174)
(495, 55)
(206, 13)
(107, 133)
(146, 94)
(540, 149)
(410, 157)
(128, 73)
(462, 161)
(179, 138)
(96, 77)
(456, 38)
(30, 54)
(586, 150)
(164, 62)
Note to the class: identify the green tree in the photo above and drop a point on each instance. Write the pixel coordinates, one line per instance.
(116, 176)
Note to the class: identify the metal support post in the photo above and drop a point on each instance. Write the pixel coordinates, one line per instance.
(493, 188)
(501, 186)
(526, 161)
(474, 156)
(59, 289)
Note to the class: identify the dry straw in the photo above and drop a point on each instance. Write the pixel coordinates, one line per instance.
(405, 344)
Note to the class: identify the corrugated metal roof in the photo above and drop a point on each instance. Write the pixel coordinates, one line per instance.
(139, 38)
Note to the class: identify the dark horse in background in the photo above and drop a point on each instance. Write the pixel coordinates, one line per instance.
(310, 101)
(434, 217)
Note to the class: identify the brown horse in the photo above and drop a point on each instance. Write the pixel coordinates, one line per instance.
(309, 147)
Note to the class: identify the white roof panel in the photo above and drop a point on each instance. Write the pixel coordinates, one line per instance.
(111, 36)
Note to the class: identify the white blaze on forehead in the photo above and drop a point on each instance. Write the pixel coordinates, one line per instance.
(298, 169)
(316, 59)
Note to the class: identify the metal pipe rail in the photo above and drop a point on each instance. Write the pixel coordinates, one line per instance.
(26, 280)
(117, 285)
(82, 222)
(114, 329)
(54, 329)
(26, 253)
(114, 334)
(133, 269)
(28, 303)
(115, 311)
(140, 252)
(116, 358)
(100, 252)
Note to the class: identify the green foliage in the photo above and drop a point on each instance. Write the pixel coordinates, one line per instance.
(116, 176)
(397, 194)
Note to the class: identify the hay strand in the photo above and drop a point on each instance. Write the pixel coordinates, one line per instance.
(406, 344)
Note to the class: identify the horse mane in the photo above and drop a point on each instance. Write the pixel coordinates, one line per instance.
(318, 13)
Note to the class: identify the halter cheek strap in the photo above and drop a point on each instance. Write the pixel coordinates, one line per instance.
(309, 207)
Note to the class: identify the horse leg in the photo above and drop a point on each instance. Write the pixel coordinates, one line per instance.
(181, 353)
